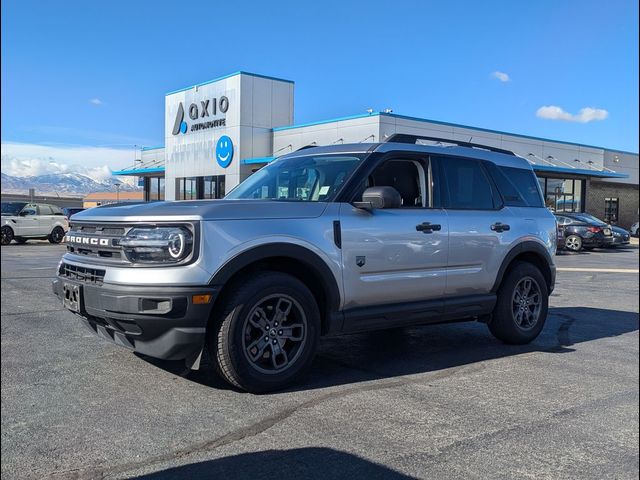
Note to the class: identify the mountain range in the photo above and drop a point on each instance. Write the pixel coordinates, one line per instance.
(70, 184)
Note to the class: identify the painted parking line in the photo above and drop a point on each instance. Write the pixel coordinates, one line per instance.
(598, 270)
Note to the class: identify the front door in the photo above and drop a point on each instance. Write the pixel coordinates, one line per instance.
(27, 221)
(391, 256)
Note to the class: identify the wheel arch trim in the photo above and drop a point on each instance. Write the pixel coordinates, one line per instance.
(527, 247)
(295, 252)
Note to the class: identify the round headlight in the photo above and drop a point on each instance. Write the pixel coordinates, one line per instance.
(176, 244)
(160, 244)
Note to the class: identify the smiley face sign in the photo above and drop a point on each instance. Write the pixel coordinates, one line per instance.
(224, 151)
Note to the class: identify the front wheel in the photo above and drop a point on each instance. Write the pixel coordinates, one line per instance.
(56, 235)
(7, 235)
(573, 243)
(521, 306)
(268, 332)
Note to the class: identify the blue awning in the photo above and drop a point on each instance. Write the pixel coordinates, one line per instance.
(578, 171)
(140, 172)
(253, 161)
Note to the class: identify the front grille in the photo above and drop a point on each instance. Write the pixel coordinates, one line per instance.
(93, 276)
(106, 237)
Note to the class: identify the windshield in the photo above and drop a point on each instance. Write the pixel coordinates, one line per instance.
(301, 179)
(12, 208)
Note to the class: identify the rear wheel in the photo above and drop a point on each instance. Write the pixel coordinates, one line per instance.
(573, 243)
(522, 305)
(56, 235)
(7, 235)
(268, 333)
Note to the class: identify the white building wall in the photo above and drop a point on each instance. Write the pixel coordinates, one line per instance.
(256, 105)
(356, 130)
(622, 162)
(379, 127)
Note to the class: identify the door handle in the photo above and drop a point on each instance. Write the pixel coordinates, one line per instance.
(427, 227)
(500, 227)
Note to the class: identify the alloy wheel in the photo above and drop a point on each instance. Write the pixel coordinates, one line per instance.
(7, 236)
(526, 303)
(573, 243)
(57, 235)
(274, 333)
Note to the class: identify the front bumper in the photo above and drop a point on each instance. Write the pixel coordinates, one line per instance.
(161, 322)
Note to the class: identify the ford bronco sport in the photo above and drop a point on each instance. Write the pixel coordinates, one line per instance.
(323, 241)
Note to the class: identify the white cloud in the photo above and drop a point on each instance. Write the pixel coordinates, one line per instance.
(503, 77)
(585, 115)
(96, 101)
(27, 159)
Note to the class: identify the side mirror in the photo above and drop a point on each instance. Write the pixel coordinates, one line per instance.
(379, 198)
(23, 213)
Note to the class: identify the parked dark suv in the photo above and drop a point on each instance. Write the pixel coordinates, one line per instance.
(584, 231)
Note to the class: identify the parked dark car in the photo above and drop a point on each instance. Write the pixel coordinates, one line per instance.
(621, 236)
(560, 240)
(584, 231)
(68, 211)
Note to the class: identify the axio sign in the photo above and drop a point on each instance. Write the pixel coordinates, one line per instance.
(199, 111)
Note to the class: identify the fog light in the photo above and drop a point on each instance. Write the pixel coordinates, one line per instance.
(201, 299)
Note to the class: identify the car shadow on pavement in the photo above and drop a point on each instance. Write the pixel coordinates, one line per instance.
(442, 348)
(302, 463)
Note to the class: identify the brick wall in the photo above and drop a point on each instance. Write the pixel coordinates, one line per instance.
(627, 195)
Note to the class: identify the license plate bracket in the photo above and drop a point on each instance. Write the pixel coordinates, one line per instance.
(71, 296)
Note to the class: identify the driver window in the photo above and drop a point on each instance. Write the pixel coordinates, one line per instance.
(29, 210)
(408, 177)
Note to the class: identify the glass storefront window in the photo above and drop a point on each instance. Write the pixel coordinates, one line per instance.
(187, 188)
(213, 187)
(153, 188)
(562, 194)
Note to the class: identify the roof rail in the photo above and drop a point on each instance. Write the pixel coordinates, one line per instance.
(407, 138)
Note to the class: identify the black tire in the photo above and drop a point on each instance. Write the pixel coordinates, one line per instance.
(505, 324)
(56, 235)
(238, 325)
(573, 243)
(7, 235)
(20, 240)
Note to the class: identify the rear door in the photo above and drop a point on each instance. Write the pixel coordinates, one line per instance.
(480, 228)
(45, 219)
(391, 256)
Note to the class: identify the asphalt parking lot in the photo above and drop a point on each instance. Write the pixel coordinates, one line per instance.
(445, 401)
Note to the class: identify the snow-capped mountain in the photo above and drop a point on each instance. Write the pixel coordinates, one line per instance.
(60, 183)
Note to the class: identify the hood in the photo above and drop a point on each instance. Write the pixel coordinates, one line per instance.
(202, 210)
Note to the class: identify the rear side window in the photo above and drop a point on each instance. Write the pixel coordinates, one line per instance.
(45, 210)
(518, 186)
(466, 185)
(56, 210)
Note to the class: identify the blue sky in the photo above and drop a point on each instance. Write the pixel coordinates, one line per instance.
(92, 75)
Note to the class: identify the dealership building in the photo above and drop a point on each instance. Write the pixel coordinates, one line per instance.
(219, 132)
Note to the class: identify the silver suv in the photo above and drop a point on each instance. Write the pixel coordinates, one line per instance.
(323, 241)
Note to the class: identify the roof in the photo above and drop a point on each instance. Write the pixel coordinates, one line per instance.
(122, 196)
(495, 157)
(228, 76)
